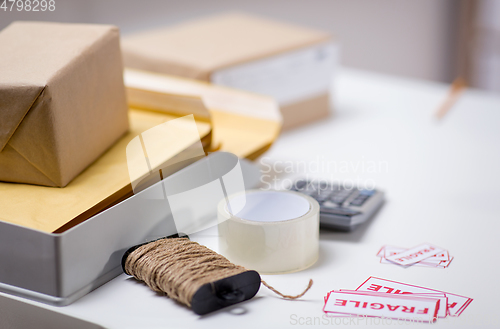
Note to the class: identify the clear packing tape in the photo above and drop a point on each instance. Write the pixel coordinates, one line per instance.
(272, 232)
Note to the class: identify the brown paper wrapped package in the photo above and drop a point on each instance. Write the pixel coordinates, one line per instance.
(62, 99)
(198, 48)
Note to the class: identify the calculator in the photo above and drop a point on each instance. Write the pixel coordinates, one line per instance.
(341, 208)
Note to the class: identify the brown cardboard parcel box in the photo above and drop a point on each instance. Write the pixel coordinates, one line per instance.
(291, 63)
(62, 99)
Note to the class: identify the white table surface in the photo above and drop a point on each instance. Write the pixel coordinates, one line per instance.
(442, 185)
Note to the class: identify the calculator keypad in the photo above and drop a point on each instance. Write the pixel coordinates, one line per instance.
(332, 198)
(341, 208)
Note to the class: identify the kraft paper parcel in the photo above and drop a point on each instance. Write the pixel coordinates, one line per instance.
(62, 99)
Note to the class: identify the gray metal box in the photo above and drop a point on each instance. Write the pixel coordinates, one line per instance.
(60, 268)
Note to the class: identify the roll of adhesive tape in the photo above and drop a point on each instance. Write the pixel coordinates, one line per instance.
(272, 232)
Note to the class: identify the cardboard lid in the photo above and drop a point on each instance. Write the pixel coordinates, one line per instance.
(32, 54)
(197, 48)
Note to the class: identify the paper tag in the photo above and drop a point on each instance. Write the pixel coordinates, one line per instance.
(415, 254)
(456, 303)
(440, 264)
(440, 260)
(443, 299)
(387, 251)
(383, 305)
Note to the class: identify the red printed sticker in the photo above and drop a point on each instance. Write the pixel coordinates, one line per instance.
(382, 305)
(390, 299)
(439, 260)
(415, 254)
(455, 306)
(443, 299)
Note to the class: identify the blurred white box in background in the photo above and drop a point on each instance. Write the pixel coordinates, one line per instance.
(291, 63)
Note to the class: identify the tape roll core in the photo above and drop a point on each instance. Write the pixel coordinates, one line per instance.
(273, 232)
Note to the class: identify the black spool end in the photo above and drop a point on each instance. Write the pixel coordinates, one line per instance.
(131, 249)
(225, 292)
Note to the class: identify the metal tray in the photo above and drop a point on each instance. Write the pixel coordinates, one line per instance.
(59, 268)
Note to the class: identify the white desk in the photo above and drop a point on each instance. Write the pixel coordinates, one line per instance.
(442, 184)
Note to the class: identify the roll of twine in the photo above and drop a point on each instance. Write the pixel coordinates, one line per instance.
(178, 267)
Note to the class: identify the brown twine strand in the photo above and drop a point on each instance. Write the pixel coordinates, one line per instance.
(178, 267)
(288, 296)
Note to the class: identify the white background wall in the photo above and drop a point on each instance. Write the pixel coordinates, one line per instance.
(415, 38)
(487, 53)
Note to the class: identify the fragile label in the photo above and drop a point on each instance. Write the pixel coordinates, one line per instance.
(383, 305)
(455, 306)
(415, 254)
